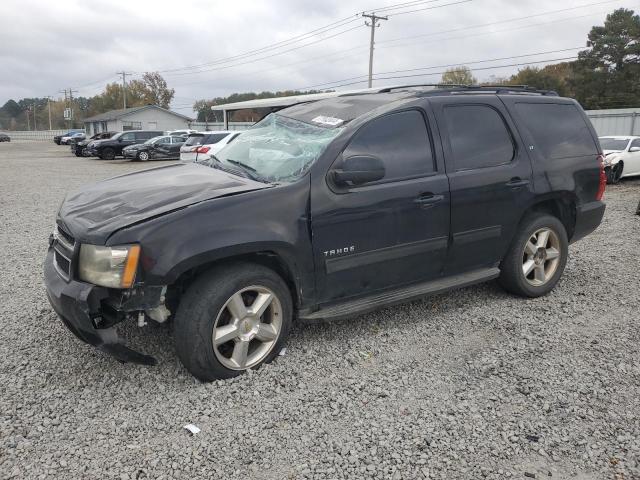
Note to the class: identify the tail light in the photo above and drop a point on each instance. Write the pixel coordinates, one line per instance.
(202, 149)
(602, 185)
(193, 149)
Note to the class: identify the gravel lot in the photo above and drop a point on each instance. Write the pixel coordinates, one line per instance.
(471, 384)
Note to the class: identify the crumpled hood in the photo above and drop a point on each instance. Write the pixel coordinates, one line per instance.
(96, 211)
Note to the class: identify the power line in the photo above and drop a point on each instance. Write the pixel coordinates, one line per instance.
(330, 84)
(224, 67)
(429, 8)
(305, 36)
(493, 67)
(498, 22)
(401, 5)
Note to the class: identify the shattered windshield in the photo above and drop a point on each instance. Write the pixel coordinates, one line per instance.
(276, 149)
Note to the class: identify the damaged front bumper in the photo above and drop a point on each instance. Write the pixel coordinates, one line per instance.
(91, 312)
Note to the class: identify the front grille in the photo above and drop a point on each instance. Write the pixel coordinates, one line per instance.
(64, 247)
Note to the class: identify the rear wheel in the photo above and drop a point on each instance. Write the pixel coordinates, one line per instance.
(537, 257)
(108, 154)
(232, 319)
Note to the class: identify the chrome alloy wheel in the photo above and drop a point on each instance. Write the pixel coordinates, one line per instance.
(247, 328)
(144, 156)
(541, 257)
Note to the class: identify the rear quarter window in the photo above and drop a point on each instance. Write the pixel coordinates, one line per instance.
(213, 138)
(194, 140)
(558, 130)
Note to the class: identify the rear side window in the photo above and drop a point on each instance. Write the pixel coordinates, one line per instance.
(194, 140)
(213, 138)
(479, 137)
(558, 130)
(400, 140)
(635, 143)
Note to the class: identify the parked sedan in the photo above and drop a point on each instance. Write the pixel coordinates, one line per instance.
(78, 136)
(201, 145)
(621, 157)
(79, 148)
(58, 138)
(4, 137)
(164, 147)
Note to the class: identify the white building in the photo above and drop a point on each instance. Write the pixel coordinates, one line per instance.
(149, 117)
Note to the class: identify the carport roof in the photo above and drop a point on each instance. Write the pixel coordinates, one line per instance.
(115, 114)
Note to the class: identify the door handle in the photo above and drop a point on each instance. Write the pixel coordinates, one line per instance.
(428, 199)
(517, 182)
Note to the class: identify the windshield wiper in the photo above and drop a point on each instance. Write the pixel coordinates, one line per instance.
(250, 171)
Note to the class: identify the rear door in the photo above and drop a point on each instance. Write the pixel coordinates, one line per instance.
(489, 175)
(386, 233)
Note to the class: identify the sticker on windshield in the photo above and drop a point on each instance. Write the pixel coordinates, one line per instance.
(330, 121)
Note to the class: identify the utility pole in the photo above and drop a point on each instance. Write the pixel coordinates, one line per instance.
(66, 104)
(124, 87)
(49, 105)
(71, 92)
(35, 127)
(373, 24)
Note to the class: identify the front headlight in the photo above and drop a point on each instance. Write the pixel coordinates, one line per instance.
(113, 267)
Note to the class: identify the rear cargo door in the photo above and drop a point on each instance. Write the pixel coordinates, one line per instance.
(489, 175)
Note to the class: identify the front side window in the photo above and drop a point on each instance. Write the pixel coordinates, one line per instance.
(479, 137)
(635, 143)
(558, 130)
(276, 149)
(400, 140)
(127, 137)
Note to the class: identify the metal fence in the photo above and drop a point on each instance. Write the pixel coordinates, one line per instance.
(34, 135)
(620, 121)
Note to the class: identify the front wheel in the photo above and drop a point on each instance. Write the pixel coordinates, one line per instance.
(108, 154)
(143, 156)
(232, 319)
(536, 259)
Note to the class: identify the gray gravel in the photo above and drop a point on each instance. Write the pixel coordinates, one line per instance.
(471, 384)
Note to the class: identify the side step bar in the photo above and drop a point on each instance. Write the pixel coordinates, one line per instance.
(361, 305)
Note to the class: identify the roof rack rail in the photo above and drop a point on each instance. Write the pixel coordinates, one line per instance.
(498, 89)
(414, 85)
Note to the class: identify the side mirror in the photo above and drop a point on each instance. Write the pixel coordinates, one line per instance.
(634, 149)
(359, 169)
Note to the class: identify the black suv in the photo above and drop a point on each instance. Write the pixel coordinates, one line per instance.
(79, 149)
(325, 210)
(110, 148)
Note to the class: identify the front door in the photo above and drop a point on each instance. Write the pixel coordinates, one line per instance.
(490, 178)
(386, 233)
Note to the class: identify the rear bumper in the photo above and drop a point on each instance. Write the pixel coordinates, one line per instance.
(78, 305)
(588, 218)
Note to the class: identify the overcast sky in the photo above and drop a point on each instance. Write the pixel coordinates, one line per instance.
(47, 46)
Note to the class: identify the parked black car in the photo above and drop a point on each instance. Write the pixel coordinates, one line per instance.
(80, 148)
(4, 137)
(166, 147)
(326, 210)
(58, 138)
(109, 148)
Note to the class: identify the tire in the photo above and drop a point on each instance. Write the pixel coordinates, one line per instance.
(544, 269)
(616, 173)
(78, 153)
(107, 154)
(206, 307)
(143, 156)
